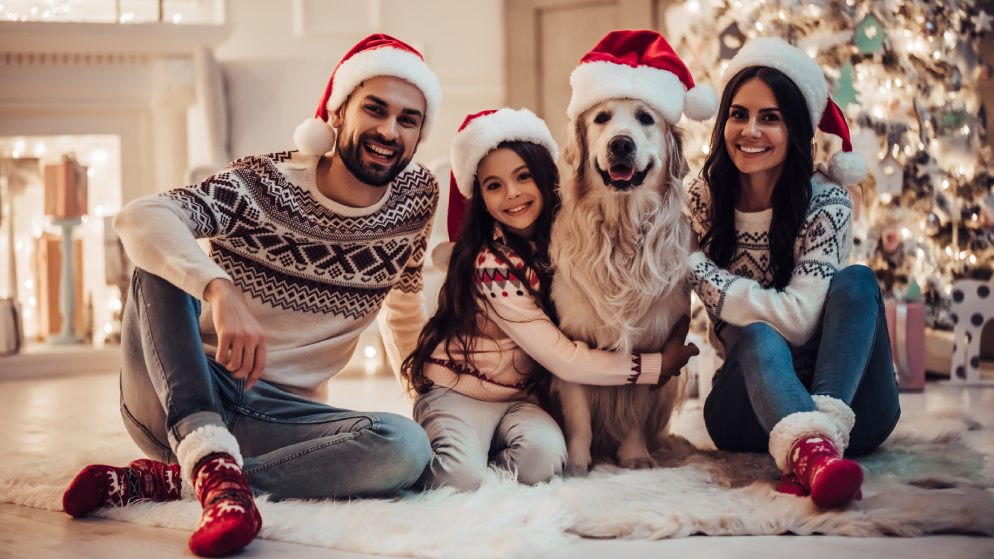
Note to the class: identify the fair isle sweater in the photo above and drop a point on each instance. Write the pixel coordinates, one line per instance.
(742, 293)
(313, 272)
(517, 337)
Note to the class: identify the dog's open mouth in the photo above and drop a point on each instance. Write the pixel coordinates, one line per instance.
(623, 177)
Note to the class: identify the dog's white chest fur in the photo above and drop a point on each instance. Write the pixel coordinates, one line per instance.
(619, 283)
(619, 252)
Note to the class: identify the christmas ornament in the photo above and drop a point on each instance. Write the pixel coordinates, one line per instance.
(891, 177)
(845, 93)
(870, 34)
(982, 22)
(731, 40)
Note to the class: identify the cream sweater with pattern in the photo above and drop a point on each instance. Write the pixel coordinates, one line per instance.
(742, 293)
(518, 337)
(314, 273)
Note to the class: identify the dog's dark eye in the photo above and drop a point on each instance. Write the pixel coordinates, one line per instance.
(602, 118)
(646, 119)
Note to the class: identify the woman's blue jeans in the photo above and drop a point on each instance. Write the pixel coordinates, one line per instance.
(765, 379)
(293, 447)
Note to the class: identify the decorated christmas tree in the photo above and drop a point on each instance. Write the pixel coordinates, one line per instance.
(906, 73)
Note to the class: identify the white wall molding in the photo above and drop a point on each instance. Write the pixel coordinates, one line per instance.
(155, 39)
(136, 81)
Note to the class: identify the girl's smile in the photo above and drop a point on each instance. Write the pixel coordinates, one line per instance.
(509, 191)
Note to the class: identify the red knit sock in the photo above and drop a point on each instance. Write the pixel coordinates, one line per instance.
(831, 480)
(230, 519)
(100, 485)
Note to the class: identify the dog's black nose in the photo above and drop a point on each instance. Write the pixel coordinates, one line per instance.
(621, 146)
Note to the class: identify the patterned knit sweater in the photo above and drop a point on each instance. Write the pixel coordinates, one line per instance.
(742, 294)
(517, 337)
(313, 272)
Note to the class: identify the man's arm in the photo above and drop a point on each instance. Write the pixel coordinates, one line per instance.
(400, 322)
(159, 235)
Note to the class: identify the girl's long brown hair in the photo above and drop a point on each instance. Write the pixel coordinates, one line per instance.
(459, 302)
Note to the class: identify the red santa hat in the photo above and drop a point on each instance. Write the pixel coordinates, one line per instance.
(845, 167)
(376, 55)
(639, 65)
(480, 134)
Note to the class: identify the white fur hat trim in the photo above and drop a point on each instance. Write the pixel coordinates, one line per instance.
(593, 82)
(386, 61)
(484, 133)
(776, 53)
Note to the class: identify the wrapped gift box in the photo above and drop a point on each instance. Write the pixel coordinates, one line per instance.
(48, 271)
(938, 351)
(906, 325)
(65, 189)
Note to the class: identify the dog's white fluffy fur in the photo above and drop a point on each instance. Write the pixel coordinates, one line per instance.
(619, 257)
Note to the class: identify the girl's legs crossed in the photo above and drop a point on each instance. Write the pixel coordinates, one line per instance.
(528, 441)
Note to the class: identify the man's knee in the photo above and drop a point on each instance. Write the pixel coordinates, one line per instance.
(407, 449)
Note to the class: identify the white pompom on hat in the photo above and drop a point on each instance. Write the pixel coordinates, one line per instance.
(376, 55)
(479, 134)
(639, 64)
(845, 167)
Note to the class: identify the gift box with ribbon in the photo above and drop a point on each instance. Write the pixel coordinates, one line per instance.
(906, 325)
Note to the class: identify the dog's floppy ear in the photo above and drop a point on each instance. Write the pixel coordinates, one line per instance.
(575, 156)
(575, 153)
(676, 166)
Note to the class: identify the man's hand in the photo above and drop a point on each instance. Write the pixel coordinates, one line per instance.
(675, 353)
(241, 342)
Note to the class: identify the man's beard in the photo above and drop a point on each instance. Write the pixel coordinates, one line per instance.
(373, 174)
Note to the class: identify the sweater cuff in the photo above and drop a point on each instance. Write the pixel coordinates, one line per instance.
(195, 282)
(696, 258)
(649, 366)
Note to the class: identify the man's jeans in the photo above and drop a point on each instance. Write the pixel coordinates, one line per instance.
(293, 447)
(764, 379)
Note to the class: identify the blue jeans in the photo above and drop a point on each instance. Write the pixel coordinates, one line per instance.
(293, 447)
(765, 379)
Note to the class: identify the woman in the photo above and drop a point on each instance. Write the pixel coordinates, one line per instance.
(808, 372)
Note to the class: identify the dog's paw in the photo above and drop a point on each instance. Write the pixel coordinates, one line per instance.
(638, 463)
(577, 469)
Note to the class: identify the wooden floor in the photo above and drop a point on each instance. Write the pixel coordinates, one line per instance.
(67, 415)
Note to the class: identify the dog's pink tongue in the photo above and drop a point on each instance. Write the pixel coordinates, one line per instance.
(621, 173)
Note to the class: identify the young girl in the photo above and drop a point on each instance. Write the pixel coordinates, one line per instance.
(482, 355)
(808, 372)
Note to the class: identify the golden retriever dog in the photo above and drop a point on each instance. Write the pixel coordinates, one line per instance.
(618, 247)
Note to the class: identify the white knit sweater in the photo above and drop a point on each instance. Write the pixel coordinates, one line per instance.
(742, 293)
(314, 273)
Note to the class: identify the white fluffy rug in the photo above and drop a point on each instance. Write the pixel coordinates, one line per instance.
(924, 480)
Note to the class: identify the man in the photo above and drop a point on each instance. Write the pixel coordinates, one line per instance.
(305, 248)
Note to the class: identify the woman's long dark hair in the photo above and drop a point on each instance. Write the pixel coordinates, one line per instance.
(791, 194)
(459, 303)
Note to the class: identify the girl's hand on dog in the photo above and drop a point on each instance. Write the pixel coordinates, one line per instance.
(675, 353)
